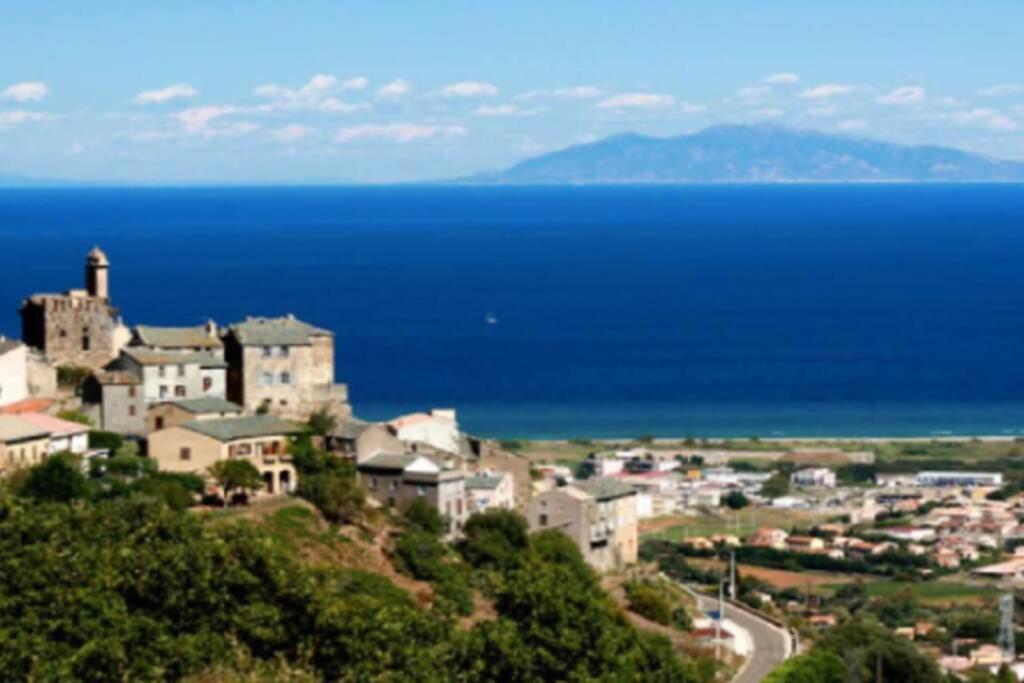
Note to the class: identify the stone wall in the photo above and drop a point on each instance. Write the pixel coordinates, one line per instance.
(73, 330)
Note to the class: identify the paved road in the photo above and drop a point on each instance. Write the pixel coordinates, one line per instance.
(769, 642)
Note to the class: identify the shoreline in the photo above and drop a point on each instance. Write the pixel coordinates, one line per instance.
(699, 442)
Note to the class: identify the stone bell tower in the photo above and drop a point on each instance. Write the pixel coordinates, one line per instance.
(97, 274)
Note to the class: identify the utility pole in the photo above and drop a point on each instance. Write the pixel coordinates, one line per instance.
(732, 574)
(718, 622)
(1007, 632)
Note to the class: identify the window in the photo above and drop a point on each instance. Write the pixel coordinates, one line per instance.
(161, 372)
(131, 411)
(458, 507)
(268, 351)
(286, 378)
(421, 491)
(179, 390)
(267, 379)
(186, 453)
(284, 352)
(163, 391)
(181, 370)
(392, 485)
(244, 448)
(131, 392)
(207, 383)
(373, 482)
(86, 343)
(159, 423)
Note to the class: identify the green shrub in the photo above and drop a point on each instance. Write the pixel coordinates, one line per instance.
(649, 602)
(109, 440)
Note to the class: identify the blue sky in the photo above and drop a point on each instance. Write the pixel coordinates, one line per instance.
(312, 90)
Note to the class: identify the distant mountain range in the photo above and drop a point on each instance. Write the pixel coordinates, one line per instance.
(751, 154)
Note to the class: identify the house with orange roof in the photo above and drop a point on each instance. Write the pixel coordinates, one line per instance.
(65, 436)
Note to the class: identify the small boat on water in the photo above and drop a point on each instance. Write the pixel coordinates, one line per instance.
(491, 319)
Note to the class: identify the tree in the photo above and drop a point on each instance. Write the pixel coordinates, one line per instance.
(421, 515)
(776, 487)
(736, 500)
(496, 538)
(57, 479)
(235, 474)
(322, 423)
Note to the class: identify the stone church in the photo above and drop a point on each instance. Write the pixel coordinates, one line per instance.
(79, 327)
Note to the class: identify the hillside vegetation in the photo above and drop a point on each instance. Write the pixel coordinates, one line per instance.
(111, 583)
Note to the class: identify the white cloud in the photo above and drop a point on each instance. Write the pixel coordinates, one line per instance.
(852, 124)
(907, 94)
(784, 78)
(1002, 89)
(983, 117)
(20, 116)
(171, 92)
(75, 149)
(824, 91)
(576, 92)
(505, 110)
(31, 91)
(316, 94)
(397, 132)
(395, 89)
(197, 119)
(291, 133)
(691, 108)
(333, 105)
(637, 100)
(468, 89)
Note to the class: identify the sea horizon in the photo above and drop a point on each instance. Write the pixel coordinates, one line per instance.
(619, 311)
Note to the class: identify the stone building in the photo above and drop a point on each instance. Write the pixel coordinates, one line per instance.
(173, 413)
(22, 444)
(599, 515)
(113, 399)
(79, 327)
(260, 439)
(13, 371)
(285, 366)
(395, 480)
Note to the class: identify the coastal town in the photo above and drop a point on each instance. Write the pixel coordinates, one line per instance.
(773, 541)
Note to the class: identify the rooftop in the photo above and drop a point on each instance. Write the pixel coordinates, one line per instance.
(7, 345)
(605, 489)
(122, 377)
(177, 337)
(388, 461)
(286, 331)
(53, 425)
(234, 428)
(206, 405)
(483, 481)
(15, 428)
(144, 356)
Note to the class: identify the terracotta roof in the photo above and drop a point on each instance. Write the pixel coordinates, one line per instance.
(54, 425)
(27, 405)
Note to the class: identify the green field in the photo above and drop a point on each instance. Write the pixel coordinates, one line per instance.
(739, 523)
(935, 593)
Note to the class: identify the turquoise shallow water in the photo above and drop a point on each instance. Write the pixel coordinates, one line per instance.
(714, 310)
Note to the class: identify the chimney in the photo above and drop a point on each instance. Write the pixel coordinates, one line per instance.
(211, 329)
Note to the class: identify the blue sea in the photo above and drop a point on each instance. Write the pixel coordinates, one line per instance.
(887, 310)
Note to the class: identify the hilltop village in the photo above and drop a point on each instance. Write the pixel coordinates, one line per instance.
(796, 540)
